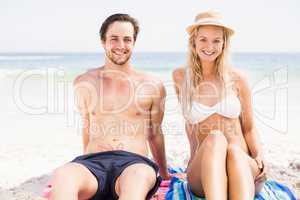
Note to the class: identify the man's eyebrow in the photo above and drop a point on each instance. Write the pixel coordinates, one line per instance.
(113, 36)
(128, 37)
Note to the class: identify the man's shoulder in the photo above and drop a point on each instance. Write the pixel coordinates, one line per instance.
(145, 77)
(88, 76)
(152, 83)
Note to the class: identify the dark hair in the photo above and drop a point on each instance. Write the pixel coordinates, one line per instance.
(121, 18)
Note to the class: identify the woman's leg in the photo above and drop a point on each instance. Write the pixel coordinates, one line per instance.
(241, 171)
(206, 174)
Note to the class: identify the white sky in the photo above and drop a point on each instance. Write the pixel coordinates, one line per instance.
(73, 25)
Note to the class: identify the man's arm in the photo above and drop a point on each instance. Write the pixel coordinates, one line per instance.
(156, 137)
(80, 91)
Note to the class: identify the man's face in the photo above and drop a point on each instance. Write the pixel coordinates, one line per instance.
(119, 42)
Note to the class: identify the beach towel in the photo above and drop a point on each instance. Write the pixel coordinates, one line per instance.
(160, 194)
(272, 190)
(177, 189)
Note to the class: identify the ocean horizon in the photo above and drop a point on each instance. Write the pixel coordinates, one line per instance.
(256, 65)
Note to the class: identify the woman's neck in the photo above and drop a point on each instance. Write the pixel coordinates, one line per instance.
(208, 68)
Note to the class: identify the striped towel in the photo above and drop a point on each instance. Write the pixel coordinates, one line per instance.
(178, 190)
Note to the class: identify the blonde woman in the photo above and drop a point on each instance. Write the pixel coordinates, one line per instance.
(226, 155)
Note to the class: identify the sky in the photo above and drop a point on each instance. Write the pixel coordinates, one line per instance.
(73, 25)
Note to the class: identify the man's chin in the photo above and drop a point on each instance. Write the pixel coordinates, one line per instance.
(120, 62)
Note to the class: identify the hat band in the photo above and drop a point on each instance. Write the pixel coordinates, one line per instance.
(210, 21)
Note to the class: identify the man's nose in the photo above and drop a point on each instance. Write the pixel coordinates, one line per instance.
(121, 44)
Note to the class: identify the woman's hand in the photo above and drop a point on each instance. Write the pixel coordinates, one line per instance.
(263, 168)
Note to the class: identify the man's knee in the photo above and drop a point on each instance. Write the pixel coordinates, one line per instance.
(75, 179)
(135, 181)
(71, 174)
(62, 173)
(142, 172)
(139, 173)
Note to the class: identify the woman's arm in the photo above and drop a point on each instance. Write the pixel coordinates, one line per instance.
(246, 118)
(248, 126)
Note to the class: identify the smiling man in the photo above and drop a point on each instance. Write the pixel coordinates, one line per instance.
(122, 109)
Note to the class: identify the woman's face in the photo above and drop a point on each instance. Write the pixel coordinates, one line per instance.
(209, 43)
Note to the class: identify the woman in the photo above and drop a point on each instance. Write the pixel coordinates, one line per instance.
(226, 156)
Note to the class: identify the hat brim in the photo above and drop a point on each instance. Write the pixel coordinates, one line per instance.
(190, 28)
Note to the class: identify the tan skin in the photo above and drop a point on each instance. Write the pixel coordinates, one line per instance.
(226, 164)
(122, 109)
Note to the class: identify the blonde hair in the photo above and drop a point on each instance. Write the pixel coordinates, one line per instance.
(194, 69)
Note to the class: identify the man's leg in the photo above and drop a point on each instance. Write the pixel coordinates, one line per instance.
(73, 181)
(135, 182)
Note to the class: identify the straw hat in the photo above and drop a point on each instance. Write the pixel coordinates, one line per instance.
(209, 18)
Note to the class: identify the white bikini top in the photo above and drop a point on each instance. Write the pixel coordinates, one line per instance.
(228, 107)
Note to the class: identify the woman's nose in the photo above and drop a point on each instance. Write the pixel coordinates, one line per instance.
(210, 46)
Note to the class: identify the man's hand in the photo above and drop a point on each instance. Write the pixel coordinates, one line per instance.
(165, 175)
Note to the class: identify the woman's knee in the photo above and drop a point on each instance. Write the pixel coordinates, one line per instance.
(216, 142)
(234, 153)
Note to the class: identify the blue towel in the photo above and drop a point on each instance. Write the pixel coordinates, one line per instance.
(178, 190)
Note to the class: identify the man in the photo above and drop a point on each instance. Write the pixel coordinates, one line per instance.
(122, 109)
